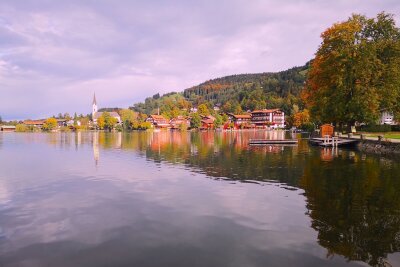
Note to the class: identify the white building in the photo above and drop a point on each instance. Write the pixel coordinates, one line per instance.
(96, 114)
(387, 118)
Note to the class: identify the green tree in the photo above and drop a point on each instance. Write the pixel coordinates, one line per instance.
(128, 117)
(75, 119)
(67, 116)
(21, 128)
(203, 110)
(196, 121)
(145, 125)
(218, 121)
(109, 122)
(356, 71)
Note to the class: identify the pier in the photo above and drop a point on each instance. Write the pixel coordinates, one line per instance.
(272, 142)
(332, 141)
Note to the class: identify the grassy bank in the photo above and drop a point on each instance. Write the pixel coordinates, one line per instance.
(391, 135)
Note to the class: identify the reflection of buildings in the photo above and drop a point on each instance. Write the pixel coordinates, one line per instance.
(327, 153)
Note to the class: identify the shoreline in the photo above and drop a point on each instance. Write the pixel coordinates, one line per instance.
(379, 147)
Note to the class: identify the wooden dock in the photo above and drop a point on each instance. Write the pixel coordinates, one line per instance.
(328, 141)
(272, 142)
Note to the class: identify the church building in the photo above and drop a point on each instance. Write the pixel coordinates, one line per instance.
(96, 114)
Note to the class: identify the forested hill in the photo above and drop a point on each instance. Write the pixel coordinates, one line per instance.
(280, 83)
(237, 93)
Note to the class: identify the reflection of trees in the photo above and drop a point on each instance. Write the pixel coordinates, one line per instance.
(353, 200)
(228, 154)
(354, 207)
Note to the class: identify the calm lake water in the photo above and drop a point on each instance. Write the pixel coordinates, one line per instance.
(193, 199)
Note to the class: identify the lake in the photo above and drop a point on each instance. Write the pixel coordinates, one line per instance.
(193, 199)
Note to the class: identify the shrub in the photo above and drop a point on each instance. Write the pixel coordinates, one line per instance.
(395, 128)
(376, 128)
(65, 129)
(21, 128)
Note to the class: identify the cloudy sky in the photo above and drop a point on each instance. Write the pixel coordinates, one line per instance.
(55, 54)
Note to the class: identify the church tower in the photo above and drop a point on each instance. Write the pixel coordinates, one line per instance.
(94, 105)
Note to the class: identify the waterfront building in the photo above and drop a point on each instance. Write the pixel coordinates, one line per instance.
(158, 121)
(176, 123)
(7, 128)
(274, 118)
(207, 122)
(72, 123)
(240, 120)
(34, 123)
(96, 114)
(61, 122)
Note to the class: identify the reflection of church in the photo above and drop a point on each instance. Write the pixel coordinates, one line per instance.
(96, 152)
(106, 140)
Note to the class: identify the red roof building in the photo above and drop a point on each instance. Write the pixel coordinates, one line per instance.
(35, 123)
(158, 121)
(207, 122)
(176, 123)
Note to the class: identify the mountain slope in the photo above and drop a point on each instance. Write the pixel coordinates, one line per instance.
(236, 93)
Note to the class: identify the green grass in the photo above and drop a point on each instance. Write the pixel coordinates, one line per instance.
(392, 135)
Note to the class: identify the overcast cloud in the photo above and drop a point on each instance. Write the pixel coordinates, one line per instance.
(55, 54)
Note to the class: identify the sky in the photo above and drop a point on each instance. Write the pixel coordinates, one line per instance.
(55, 54)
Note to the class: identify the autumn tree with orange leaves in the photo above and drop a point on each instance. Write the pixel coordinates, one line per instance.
(356, 71)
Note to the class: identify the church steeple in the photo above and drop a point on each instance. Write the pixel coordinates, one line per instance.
(94, 99)
(94, 105)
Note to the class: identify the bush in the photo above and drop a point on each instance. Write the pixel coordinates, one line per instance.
(395, 128)
(21, 128)
(308, 127)
(376, 128)
(65, 129)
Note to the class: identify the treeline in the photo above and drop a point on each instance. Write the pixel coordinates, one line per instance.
(240, 87)
(235, 94)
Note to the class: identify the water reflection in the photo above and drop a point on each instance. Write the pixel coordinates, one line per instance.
(351, 200)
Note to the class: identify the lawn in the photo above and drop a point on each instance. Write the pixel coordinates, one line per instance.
(391, 135)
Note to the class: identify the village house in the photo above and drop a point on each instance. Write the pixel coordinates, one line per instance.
(72, 123)
(96, 114)
(207, 122)
(387, 118)
(158, 121)
(34, 123)
(61, 122)
(7, 128)
(274, 118)
(176, 123)
(240, 121)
